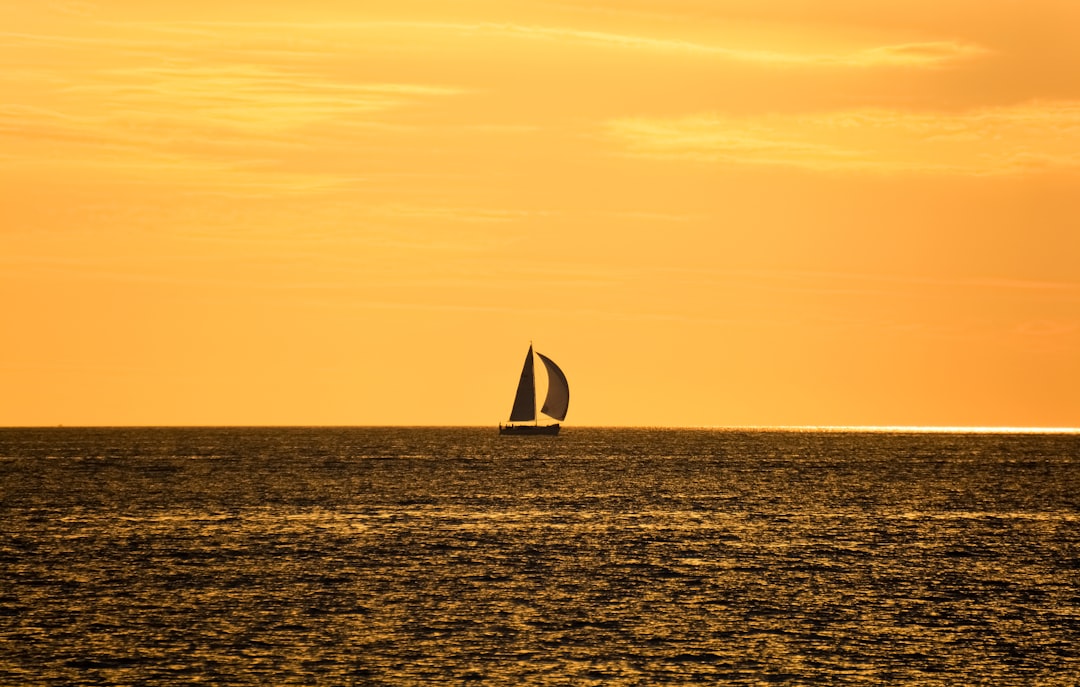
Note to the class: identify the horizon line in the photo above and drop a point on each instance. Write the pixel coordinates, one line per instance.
(928, 429)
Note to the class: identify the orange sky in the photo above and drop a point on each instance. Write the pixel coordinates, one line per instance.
(722, 212)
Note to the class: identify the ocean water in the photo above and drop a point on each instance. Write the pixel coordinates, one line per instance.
(388, 556)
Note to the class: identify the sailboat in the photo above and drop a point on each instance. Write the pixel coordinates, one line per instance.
(555, 404)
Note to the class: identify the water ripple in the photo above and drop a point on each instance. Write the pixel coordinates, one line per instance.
(349, 557)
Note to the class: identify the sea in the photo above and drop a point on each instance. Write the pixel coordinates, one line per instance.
(453, 556)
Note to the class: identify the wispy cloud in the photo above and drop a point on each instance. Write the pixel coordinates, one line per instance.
(247, 99)
(927, 54)
(860, 280)
(244, 104)
(988, 141)
(930, 53)
(221, 126)
(934, 53)
(244, 97)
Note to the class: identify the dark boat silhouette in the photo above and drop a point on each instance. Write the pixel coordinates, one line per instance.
(555, 403)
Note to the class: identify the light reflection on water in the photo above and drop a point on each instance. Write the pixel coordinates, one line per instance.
(400, 556)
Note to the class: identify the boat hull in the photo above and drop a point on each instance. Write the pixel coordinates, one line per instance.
(529, 430)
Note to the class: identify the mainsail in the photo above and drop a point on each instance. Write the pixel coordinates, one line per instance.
(558, 392)
(525, 401)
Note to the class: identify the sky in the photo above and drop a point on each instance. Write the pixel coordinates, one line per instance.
(708, 212)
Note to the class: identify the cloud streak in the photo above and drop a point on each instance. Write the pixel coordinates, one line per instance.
(989, 141)
(926, 54)
(230, 107)
(222, 126)
(249, 98)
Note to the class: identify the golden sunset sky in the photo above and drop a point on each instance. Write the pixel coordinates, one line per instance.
(708, 212)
